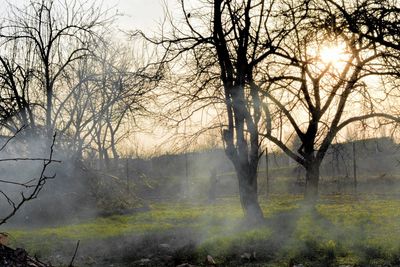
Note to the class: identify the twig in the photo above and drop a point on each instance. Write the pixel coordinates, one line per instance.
(37, 188)
(30, 159)
(73, 257)
(26, 184)
(12, 137)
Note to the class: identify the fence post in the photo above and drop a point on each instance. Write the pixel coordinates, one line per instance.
(187, 175)
(267, 170)
(354, 167)
(127, 174)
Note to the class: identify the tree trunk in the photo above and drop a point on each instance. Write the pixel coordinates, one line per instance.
(249, 195)
(79, 151)
(312, 180)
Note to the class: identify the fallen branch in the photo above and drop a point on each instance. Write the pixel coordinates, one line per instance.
(73, 257)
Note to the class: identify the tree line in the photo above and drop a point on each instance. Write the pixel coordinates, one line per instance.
(62, 71)
(68, 86)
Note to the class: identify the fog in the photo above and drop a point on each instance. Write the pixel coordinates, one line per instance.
(82, 193)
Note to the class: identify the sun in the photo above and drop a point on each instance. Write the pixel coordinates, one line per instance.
(333, 54)
(330, 54)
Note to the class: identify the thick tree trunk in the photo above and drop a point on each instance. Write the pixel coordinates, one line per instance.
(312, 180)
(249, 195)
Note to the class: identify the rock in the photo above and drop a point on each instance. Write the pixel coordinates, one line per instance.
(167, 258)
(89, 260)
(143, 262)
(165, 246)
(210, 260)
(246, 256)
(4, 239)
(185, 265)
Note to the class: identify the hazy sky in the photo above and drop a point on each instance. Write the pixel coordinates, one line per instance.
(142, 14)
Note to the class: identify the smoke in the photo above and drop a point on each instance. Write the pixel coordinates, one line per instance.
(189, 208)
(61, 193)
(23, 172)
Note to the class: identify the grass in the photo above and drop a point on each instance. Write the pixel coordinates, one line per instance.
(339, 230)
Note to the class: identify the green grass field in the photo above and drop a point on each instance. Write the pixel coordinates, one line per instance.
(339, 230)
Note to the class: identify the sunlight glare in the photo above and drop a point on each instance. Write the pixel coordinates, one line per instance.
(332, 54)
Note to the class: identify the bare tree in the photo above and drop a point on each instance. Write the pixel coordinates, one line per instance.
(104, 93)
(223, 46)
(54, 31)
(319, 82)
(17, 109)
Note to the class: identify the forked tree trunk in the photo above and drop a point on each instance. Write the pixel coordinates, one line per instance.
(243, 111)
(312, 181)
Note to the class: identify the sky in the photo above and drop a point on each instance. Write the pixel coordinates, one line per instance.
(138, 14)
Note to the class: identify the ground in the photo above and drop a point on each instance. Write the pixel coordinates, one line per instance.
(340, 230)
